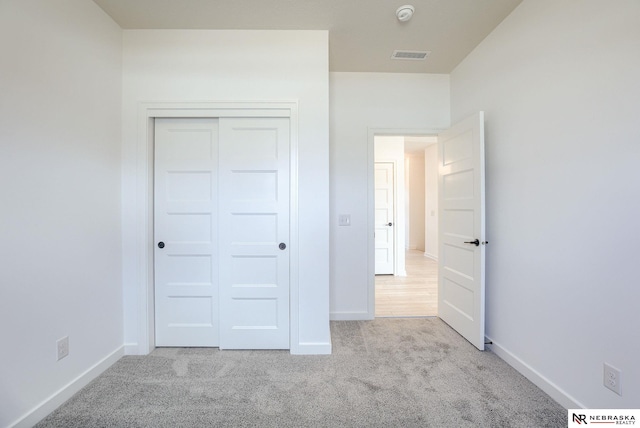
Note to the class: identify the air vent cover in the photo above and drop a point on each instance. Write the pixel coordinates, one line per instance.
(411, 55)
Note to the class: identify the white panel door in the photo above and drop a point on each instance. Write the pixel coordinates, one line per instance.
(462, 232)
(384, 218)
(185, 230)
(254, 233)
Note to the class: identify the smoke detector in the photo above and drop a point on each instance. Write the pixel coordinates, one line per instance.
(404, 13)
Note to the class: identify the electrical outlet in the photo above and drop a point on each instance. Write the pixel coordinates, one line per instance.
(63, 347)
(612, 378)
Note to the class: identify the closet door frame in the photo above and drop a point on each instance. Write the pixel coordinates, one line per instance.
(144, 262)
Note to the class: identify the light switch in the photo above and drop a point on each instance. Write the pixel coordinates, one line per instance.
(344, 220)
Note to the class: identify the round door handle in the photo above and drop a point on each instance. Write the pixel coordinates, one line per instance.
(476, 242)
(160, 244)
(282, 246)
(390, 224)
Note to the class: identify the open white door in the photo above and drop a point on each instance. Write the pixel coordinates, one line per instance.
(384, 218)
(254, 233)
(185, 223)
(462, 228)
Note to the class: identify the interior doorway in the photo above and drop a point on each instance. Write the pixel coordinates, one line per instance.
(410, 289)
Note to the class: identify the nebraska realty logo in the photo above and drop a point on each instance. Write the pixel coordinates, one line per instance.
(579, 417)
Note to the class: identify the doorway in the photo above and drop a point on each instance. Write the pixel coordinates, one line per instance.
(461, 230)
(410, 287)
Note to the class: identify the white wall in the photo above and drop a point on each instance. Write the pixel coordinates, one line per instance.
(360, 102)
(391, 149)
(431, 201)
(60, 252)
(416, 201)
(559, 84)
(210, 65)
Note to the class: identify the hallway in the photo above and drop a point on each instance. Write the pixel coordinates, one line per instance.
(414, 295)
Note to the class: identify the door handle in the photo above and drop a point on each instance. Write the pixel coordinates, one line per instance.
(282, 246)
(160, 244)
(476, 242)
(390, 224)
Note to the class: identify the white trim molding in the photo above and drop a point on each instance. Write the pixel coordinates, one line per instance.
(312, 349)
(431, 256)
(58, 398)
(550, 388)
(351, 316)
(144, 280)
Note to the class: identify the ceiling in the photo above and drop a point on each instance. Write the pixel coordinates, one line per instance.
(417, 144)
(362, 33)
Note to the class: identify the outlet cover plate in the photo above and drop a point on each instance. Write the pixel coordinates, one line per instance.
(63, 347)
(612, 379)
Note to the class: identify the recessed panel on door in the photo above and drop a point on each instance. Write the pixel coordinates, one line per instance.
(458, 148)
(189, 186)
(254, 314)
(255, 185)
(459, 223)
(189, 227)
(456, 297)
(190, 312)
(255, 146)
(254, 271)
(183, 143)
(251, 228)
(459, 260)
(458, 185)
(188, 269)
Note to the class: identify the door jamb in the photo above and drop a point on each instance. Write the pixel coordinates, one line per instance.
(144, 263)
(371, 261)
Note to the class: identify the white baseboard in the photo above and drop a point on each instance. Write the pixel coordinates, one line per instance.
(312, 349)
(350, 316)
(131, 349)
(63, 394)
(431, 256)
(551, 389)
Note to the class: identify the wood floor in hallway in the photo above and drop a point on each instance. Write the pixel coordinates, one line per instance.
(414, 295)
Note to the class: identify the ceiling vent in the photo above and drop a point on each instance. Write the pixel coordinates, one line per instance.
(411, 55)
